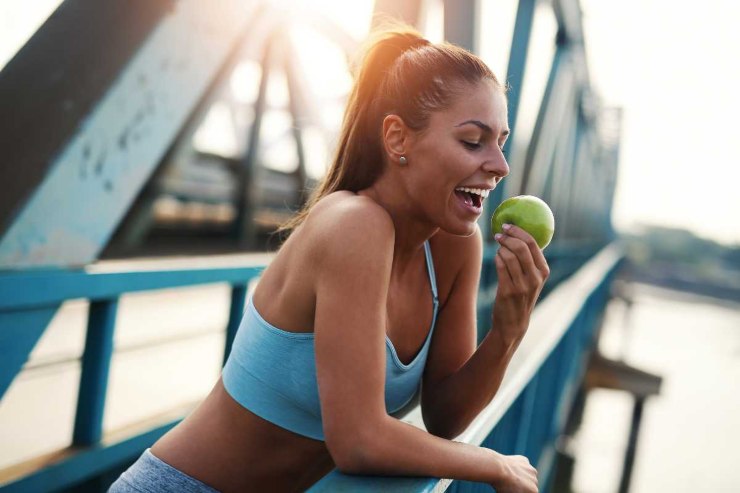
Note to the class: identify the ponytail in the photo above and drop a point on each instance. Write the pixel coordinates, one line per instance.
(401, 73)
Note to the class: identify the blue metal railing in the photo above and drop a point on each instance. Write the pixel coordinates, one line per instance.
(534, 399)
(524, 418)
(27, 292)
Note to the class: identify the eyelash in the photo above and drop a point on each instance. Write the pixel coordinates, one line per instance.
(473, 146)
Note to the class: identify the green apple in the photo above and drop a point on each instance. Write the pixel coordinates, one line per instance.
(529, 213)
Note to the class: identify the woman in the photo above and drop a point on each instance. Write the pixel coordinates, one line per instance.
(372, 295)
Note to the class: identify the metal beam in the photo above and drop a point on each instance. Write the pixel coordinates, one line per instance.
(28, 290)
(514, 81)
(544, 135)
(569, 16)
(54, 81)
(20, 330)
(461, 23)
(96, 176)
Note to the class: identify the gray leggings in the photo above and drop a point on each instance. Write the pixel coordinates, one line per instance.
(151, 475)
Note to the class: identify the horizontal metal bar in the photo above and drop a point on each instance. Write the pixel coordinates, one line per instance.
(20, 290)
(77, 465)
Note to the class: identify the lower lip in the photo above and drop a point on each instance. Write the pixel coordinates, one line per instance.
(472, 209)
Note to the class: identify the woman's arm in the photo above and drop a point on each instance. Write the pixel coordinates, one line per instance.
(461, 380)
(351, 290)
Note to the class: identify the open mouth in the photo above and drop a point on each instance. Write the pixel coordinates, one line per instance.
(472, 197)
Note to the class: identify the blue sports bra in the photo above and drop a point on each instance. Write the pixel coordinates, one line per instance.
(272, 372)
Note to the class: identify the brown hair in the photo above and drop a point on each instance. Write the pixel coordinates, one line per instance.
(403, 74)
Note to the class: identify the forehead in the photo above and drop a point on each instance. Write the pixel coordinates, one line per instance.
(482, 102)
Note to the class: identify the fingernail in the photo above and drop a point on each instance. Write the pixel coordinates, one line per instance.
(497, 236)
(506, 227)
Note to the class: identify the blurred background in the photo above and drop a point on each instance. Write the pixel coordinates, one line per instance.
(174, 137)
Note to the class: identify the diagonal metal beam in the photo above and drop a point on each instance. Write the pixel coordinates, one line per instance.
(98, 173)
(56, 79)
(514, 81)
(20, 330)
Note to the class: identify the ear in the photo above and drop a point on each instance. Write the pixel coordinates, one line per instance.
(396, 136)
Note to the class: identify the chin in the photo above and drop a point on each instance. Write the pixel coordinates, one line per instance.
(464, 230)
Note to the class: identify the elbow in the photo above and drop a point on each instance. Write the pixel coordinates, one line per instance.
(444, 431)
(353, 452)
(447, 427)
(349, 459)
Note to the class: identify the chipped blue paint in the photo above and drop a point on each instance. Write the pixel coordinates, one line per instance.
(92, 182)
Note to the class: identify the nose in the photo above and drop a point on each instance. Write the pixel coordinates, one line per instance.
(496, 164)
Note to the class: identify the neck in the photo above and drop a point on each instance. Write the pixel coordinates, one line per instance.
(412, 228)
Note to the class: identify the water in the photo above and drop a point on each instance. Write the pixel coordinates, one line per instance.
(690, 432)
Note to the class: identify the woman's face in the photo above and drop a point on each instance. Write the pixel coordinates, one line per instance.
(460, 149)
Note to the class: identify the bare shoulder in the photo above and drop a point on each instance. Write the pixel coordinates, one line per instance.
(343, 220)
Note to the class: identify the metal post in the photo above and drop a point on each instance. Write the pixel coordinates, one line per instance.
(248, 169)
(545, 108)
(236, 310)
(566, 198)
(101, 323)
(629, 456)
(514, 79)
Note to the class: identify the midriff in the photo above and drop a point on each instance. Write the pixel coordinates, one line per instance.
(233, 450)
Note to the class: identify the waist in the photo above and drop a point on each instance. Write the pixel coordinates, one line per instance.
(225, 445)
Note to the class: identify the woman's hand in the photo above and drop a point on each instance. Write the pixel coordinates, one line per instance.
(518, 476)
(522, 271)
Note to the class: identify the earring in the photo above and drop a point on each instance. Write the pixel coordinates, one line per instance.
(402, 160)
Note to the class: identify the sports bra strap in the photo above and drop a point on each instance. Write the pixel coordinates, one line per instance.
(430, 270)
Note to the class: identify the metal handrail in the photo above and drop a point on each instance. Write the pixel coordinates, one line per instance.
(26, 291)
(30, 290)
(552, 322)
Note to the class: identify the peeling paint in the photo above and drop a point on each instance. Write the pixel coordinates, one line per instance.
(123, 139)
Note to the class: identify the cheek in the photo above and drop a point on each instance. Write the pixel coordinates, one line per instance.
(441, 169)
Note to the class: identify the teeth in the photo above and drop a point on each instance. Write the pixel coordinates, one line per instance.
(478, 191)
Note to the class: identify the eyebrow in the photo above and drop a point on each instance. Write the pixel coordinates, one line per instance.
(480, 125)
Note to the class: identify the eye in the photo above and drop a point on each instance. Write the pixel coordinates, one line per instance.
(471, 145)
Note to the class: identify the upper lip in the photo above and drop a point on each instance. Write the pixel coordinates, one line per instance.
(484, 187)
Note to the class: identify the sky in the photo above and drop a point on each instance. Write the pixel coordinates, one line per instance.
(672, 67)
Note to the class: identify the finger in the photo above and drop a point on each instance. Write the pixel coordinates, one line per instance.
(520, 248)
(537, 255)
(504, 279)
(514, 267)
